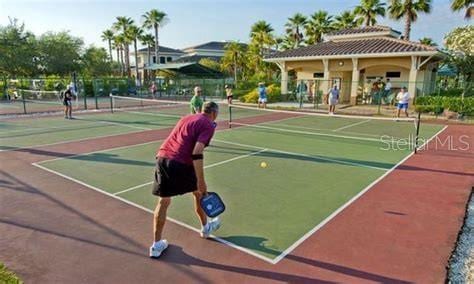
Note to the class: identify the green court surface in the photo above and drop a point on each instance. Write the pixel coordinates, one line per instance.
(29, 132)
(315, 167)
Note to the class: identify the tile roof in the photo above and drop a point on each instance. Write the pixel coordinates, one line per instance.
(349, 47)
(362, 30)
(213, 45)
(162, 49)
(196, 58)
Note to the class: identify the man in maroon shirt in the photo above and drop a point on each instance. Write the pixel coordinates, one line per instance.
(180, 170)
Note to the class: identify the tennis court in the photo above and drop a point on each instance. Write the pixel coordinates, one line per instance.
(317, 165)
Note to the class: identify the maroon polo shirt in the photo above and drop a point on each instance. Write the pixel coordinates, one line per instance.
(180, 143)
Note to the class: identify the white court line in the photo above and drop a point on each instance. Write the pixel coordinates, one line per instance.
(43, 128)
(68, 141)
(245, 250)
(351, 125)
(307, 132)
(153, 114)
(352, 200)
(206, 167)
(269, 260)
(119, 124)
(304, 155)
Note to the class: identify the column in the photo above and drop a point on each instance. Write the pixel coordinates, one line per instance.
(412, 76)
(355, 80)
(284, 78)
(325, 83)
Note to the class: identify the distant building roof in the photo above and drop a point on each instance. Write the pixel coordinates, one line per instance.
(161, 49)
(363, 30)
(212, 45)
(357, 46)
(196, 58)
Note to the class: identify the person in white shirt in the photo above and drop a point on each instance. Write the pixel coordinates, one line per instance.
(403, 97)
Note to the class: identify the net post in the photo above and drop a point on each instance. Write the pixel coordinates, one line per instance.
(24, 101)
(111, 103)
(230, 116)
(417, 131)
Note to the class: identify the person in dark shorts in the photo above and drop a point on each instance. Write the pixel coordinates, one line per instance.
(67, 102)
(229, 94)
(179, 170)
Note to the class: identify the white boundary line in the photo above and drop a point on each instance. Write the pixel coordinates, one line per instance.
(206, 167)
(307, 132)
(340, 209)
(302, 155)
(266, 259)
(351, 125)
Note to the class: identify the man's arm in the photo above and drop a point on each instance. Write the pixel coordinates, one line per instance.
(199, 167)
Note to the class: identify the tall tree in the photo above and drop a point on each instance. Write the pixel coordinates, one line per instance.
(233, 59)
(119, 41)
(294, 28)
(134, 33)
(408, 9)
(368, 10)
(154, 19)
(458, 5)
(346, 20)
(95, 62)
(319, 23)
(428, 41)
(18, 50)
(59, 53)
(108, 35)
(149, 41)
(122, 25)
(261, 41)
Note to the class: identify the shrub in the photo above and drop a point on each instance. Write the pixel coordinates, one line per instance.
(437, 104)
(273, 95)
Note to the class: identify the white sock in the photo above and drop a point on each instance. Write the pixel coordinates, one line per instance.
(156, 244)
(206, 227)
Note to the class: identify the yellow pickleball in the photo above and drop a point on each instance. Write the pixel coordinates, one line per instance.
(263, 164)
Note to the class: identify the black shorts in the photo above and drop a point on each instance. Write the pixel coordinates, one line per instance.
(173, 178)
(67, 103)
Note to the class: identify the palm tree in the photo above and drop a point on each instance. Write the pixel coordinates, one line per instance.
(261, 35)
(408, 9)
(233, 58)
(108, 35)
(149, 41)
(134, 33)
(368, 10)
(294, 28)
(119, 42)
(320, 23)
(428, 41)
(154, 19)
(458, 5)
(122, 25)
(346, 20)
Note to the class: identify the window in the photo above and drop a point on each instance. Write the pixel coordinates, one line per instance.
(168, 59)
(154, 59)
(392, 74)
(162, 60)
(139, 60)
(318, 75)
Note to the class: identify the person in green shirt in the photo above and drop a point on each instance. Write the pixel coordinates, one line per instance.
(196, 101)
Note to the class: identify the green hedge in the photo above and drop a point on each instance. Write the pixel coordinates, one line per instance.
(437, 104)
(273, 95)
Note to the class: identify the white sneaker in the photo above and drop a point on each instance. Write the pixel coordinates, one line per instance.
(157, 250)
(210, 227)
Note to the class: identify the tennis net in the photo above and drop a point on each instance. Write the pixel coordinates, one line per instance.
(145, 106)
(331, 128)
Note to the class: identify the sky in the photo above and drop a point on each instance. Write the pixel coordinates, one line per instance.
(193, 22)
